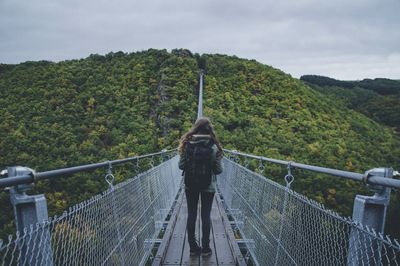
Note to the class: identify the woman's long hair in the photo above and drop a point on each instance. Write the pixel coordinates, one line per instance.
(202, 126)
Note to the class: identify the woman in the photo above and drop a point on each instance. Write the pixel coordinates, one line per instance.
(197, 140)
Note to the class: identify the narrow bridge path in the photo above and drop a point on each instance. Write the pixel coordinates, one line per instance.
(174, 249)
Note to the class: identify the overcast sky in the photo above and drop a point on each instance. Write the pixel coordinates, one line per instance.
(344, 39)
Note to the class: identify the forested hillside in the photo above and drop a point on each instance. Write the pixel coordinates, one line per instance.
(378, 99)
(83, 111)
(107, 107)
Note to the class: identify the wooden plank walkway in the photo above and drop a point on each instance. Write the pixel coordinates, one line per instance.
(174, 249)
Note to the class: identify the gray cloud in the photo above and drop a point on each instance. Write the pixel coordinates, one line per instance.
(343, 39)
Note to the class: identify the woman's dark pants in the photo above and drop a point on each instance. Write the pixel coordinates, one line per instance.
(192, 198)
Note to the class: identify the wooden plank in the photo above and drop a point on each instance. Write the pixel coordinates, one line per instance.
(173, 255)
(222, 247)
(235, 251)
(212, 259)
(168, 235)
(186, 258)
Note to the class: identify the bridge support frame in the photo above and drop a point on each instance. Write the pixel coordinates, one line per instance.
(30, 212)
(369, 211)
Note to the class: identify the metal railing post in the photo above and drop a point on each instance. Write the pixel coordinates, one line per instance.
(369, 211)
(31, 210)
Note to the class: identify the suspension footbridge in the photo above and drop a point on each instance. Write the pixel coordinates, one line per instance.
(255, 221)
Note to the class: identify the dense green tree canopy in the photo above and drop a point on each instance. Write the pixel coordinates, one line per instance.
(107, 107)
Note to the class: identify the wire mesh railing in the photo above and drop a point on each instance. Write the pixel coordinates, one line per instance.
(117, 227)
(282, 227)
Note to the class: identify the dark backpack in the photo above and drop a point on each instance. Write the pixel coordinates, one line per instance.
(198, 171)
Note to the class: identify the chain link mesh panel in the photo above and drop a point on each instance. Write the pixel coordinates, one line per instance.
(283, 227)
(117, 227)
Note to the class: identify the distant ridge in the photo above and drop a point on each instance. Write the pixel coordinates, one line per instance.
(381, 86)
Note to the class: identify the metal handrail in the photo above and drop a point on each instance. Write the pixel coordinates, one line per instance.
(34, 177)
(369, 179)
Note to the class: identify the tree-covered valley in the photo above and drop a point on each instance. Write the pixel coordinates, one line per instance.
(377, 99)
(107, 107)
